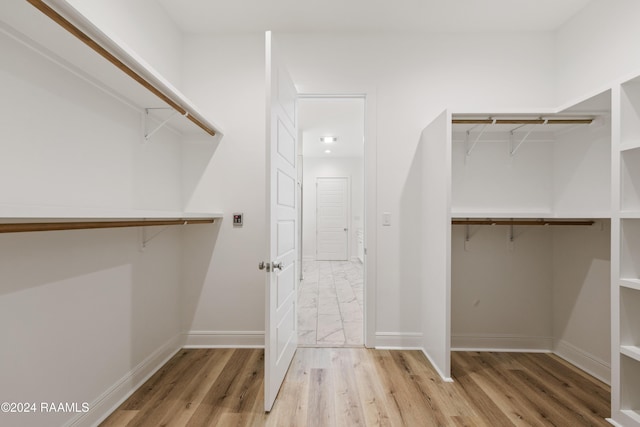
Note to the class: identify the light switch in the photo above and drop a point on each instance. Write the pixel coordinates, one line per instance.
(237, 219)
(386, 218)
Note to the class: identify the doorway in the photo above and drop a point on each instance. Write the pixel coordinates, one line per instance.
(331, 302)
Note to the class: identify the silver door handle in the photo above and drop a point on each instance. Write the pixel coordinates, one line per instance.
(277, 265)
(262, 265)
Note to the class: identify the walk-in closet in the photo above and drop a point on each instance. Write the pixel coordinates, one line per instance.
(530, 241)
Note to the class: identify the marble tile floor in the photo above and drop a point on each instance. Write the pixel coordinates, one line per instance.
(330, 304)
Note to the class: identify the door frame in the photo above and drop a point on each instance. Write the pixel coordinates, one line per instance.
(348, 213)
(370, 201)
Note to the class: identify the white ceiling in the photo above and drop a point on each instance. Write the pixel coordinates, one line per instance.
(342, 118)
(224, 16)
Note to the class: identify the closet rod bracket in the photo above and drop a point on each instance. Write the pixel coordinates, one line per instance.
(473, 145)
(145, 238)
(510, 238)
(148, 133)
(515, 147)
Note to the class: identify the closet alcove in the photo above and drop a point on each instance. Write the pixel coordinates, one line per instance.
(530, 239)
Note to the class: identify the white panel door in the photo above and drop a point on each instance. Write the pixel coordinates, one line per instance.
(332, 219)
(280, 328)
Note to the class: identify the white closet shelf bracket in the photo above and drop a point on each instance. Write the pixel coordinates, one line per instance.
(467, 238)
(468, 136)
(145, 238)
(515, 147)
(149, 133)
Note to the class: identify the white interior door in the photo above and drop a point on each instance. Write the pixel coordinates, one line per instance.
(332, 219)
(280, 328)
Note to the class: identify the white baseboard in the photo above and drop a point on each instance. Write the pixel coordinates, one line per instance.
(500, 342)
(613, 422)
(113, 397)
(224, 339)
(584, 360)
(398, 341)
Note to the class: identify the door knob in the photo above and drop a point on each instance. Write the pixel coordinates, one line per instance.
(277, 265)
(262, 265)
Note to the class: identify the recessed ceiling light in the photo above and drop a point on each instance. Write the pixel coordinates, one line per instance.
(328, 139)
(327, 151)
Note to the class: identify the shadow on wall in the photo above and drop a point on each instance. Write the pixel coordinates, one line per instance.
(88, 302)
(197, 154)
(581, 270)
(30, 260)
(199, 244)
(409, 222)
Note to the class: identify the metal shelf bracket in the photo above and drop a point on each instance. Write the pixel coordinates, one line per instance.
(468, 136)
(515, 147)
(148, 133)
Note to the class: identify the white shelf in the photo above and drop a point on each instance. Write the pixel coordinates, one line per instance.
(630, 283)
(630, 145)
(629, 215)
(29, 26)
(631, 351)
(10, 213)
(496, 214)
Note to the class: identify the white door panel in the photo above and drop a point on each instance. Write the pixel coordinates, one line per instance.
(332, 219)
(280, 324)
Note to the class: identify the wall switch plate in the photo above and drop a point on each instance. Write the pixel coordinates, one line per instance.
(386, 219)
(238, 219)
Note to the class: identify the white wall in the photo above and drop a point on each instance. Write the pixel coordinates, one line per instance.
(228, 83)
(314, 167)
(582, 170)
(501, 297)
(581, 296)
(142, 25)
(86, 314)
(597, 47)
(549, 292)
(412, 78)
(491, 180)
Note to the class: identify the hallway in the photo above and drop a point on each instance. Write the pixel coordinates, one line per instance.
(330, 304)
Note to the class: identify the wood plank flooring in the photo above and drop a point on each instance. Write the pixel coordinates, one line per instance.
(361, 387)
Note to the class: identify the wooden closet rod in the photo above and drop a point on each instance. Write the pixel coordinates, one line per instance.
(519, 222)
(64, 23)
(87, 225)
(522, 121)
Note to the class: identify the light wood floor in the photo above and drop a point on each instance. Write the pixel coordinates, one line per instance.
(360, 387)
